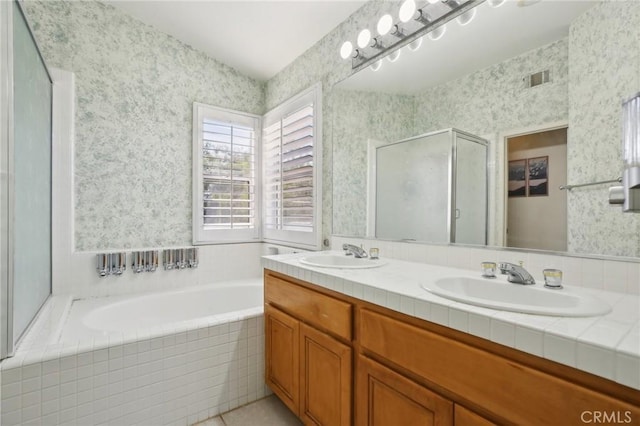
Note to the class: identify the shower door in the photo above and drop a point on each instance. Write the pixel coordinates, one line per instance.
(431, 188)
(470, 214)
(412, 194)
(25, 162)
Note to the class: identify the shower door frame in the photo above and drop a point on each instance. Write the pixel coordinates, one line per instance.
(7, 167)
(6, 186)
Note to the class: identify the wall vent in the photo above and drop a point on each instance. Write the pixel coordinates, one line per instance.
(536, 79)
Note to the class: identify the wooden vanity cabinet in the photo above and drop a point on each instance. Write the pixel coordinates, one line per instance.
(413, 372)
(513, 387)
(308, 354)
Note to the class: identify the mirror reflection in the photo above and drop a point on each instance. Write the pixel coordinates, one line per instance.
(543, 84)
(429, 188)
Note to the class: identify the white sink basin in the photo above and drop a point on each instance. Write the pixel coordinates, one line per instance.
(340, 261)
(530, 299)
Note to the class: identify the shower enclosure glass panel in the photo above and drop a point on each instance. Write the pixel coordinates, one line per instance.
(412, 196)
(28, 147)
(431, 187)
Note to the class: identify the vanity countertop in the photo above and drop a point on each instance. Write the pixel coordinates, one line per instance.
(607, 345)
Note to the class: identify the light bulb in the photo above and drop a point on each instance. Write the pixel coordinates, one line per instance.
(384, 24)
(363, 38)
(376, 65)
(346, 49)
(415, 44)
(407, 10)
(437, 33)
(466, 17)
(495, 3)
(393, 56)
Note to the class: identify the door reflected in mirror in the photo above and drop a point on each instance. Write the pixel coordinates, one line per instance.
(536, 206)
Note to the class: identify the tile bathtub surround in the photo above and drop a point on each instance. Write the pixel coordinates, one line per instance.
(606, 346)
(611, 274)
(186, 376)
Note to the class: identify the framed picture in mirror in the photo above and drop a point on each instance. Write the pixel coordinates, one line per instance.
(518, 178)
(538, 176)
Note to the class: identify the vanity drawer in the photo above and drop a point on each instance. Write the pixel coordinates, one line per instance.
(312, 307)
(509, 389)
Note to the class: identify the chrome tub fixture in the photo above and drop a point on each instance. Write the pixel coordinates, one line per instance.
(180, 258)
(144, 261)
(111, 263)
(412, 24)
(628, 194)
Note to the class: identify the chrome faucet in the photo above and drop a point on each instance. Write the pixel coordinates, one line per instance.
(354, 250)
(517, 274)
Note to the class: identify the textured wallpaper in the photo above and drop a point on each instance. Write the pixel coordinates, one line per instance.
(604, 66)
(135, 87)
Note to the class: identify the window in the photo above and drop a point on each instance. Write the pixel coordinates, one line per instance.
(226, 196)
(292, 164)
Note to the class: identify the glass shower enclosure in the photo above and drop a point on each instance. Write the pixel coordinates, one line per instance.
(431, 188)
(25, 177)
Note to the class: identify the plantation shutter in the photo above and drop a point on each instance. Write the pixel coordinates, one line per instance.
(291, 171)
(228, 171)
(226, 204)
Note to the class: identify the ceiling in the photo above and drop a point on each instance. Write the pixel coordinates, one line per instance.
(258, 38)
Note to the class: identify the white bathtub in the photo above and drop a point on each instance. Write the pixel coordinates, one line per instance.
(207, 304)
(175, 357)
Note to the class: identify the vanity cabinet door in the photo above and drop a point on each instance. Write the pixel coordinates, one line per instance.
(384, 398)
(325, 379)
(282, 334)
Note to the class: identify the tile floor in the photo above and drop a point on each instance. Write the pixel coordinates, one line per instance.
(265, 412)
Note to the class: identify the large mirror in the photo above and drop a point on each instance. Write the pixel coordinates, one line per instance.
(543, 83)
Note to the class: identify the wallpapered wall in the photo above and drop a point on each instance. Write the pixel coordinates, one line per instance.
(135, 87)
(604, 66)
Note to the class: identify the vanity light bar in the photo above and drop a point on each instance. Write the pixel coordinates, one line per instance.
(413, 23)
